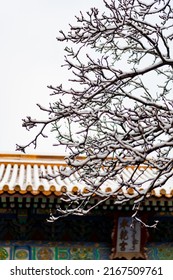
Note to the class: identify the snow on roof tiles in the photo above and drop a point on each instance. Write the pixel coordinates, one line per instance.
(21, 174)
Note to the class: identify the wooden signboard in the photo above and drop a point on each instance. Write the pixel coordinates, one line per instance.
(128, 239)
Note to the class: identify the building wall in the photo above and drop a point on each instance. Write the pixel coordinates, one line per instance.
(27, 235)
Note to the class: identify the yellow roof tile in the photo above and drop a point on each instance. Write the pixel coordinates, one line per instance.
(22, 174)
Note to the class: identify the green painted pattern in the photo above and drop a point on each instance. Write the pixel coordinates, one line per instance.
(4, 255)
(74, 251)
(160, 251)
(54, 251)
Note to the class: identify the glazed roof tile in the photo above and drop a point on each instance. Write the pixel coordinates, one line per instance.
(21, 174)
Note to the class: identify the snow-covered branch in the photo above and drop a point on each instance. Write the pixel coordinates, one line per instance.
(120, 109)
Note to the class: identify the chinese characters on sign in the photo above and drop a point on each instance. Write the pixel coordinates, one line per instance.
(128, 237)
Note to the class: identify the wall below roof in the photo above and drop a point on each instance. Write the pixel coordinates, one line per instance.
(27, 235)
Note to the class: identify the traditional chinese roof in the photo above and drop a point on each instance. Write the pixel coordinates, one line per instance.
(21, 174)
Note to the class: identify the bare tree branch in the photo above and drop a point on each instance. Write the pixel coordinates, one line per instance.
(120, 109)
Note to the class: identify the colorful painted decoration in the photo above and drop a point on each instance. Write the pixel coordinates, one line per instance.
(160, 251)
(4, 253)
(75, 251)
(82, 253)
(21, 254)
(45, 253)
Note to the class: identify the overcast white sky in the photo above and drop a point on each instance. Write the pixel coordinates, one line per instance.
(30, 59)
